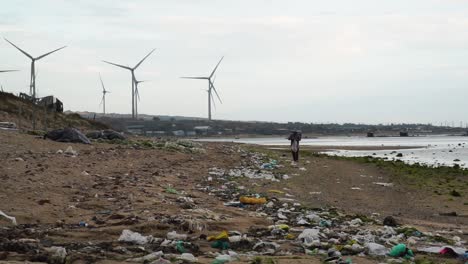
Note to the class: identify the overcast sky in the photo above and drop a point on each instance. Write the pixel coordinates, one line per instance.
(366, 61)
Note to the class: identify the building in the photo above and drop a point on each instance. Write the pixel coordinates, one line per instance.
(178, 133)
(202, 130)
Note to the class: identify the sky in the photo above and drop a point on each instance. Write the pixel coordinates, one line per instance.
(363, 61)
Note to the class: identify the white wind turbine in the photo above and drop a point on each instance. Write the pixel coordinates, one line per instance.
(137, 95)
(104, 92)
(211, 87)
(32, 86)
(132, 70)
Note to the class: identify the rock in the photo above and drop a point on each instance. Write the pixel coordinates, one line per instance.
(449, 214)
(43, 201)
(390, 221)
(19, 159)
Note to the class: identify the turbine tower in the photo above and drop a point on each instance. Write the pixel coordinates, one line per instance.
(132, 70)
(137, 96)
(32, 86)
(104, 92)
(211, 87)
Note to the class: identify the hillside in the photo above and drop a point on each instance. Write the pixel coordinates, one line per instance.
(20, 111)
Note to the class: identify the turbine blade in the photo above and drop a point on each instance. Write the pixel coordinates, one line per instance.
(102, 100)
(22, 51)
(144, 59)
(137, 94)
(102, 83)
(198, 78)
(9, 70)
(48, 53)
(216, 92)
(216, 67)
(213, 100)
(118, 65)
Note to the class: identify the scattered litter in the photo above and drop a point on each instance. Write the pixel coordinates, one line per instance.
(10, 218)
(148, 258)
(174, 236)
(57, 254)
(385, 184)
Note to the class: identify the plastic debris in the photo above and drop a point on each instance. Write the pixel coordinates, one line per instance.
(375, 249)
(187, 257)
(174, 236)
(252, 200)
(57, 254)
(222, 235)
(267, 248)
(148, 258)
(401, 251)
(134, 237)
(10, 218)
(308, 236)
(72, 135)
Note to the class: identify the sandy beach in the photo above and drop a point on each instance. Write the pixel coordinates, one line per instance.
(91, 197)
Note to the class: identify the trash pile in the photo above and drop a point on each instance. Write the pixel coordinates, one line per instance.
(324, 232)
(187, 146)
(71, 135)
(253, 167)
(106, 135)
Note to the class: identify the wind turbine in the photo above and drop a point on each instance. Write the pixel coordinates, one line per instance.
(132, 70)
(210, 87)
(32, 86)
(1, 85)
(104, 92)
(137, 96)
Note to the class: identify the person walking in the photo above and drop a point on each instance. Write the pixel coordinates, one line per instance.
(295, 137)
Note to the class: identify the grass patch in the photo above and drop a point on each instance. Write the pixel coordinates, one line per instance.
(441, 180)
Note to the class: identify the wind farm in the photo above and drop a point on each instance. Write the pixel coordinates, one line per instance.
(257, 132)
